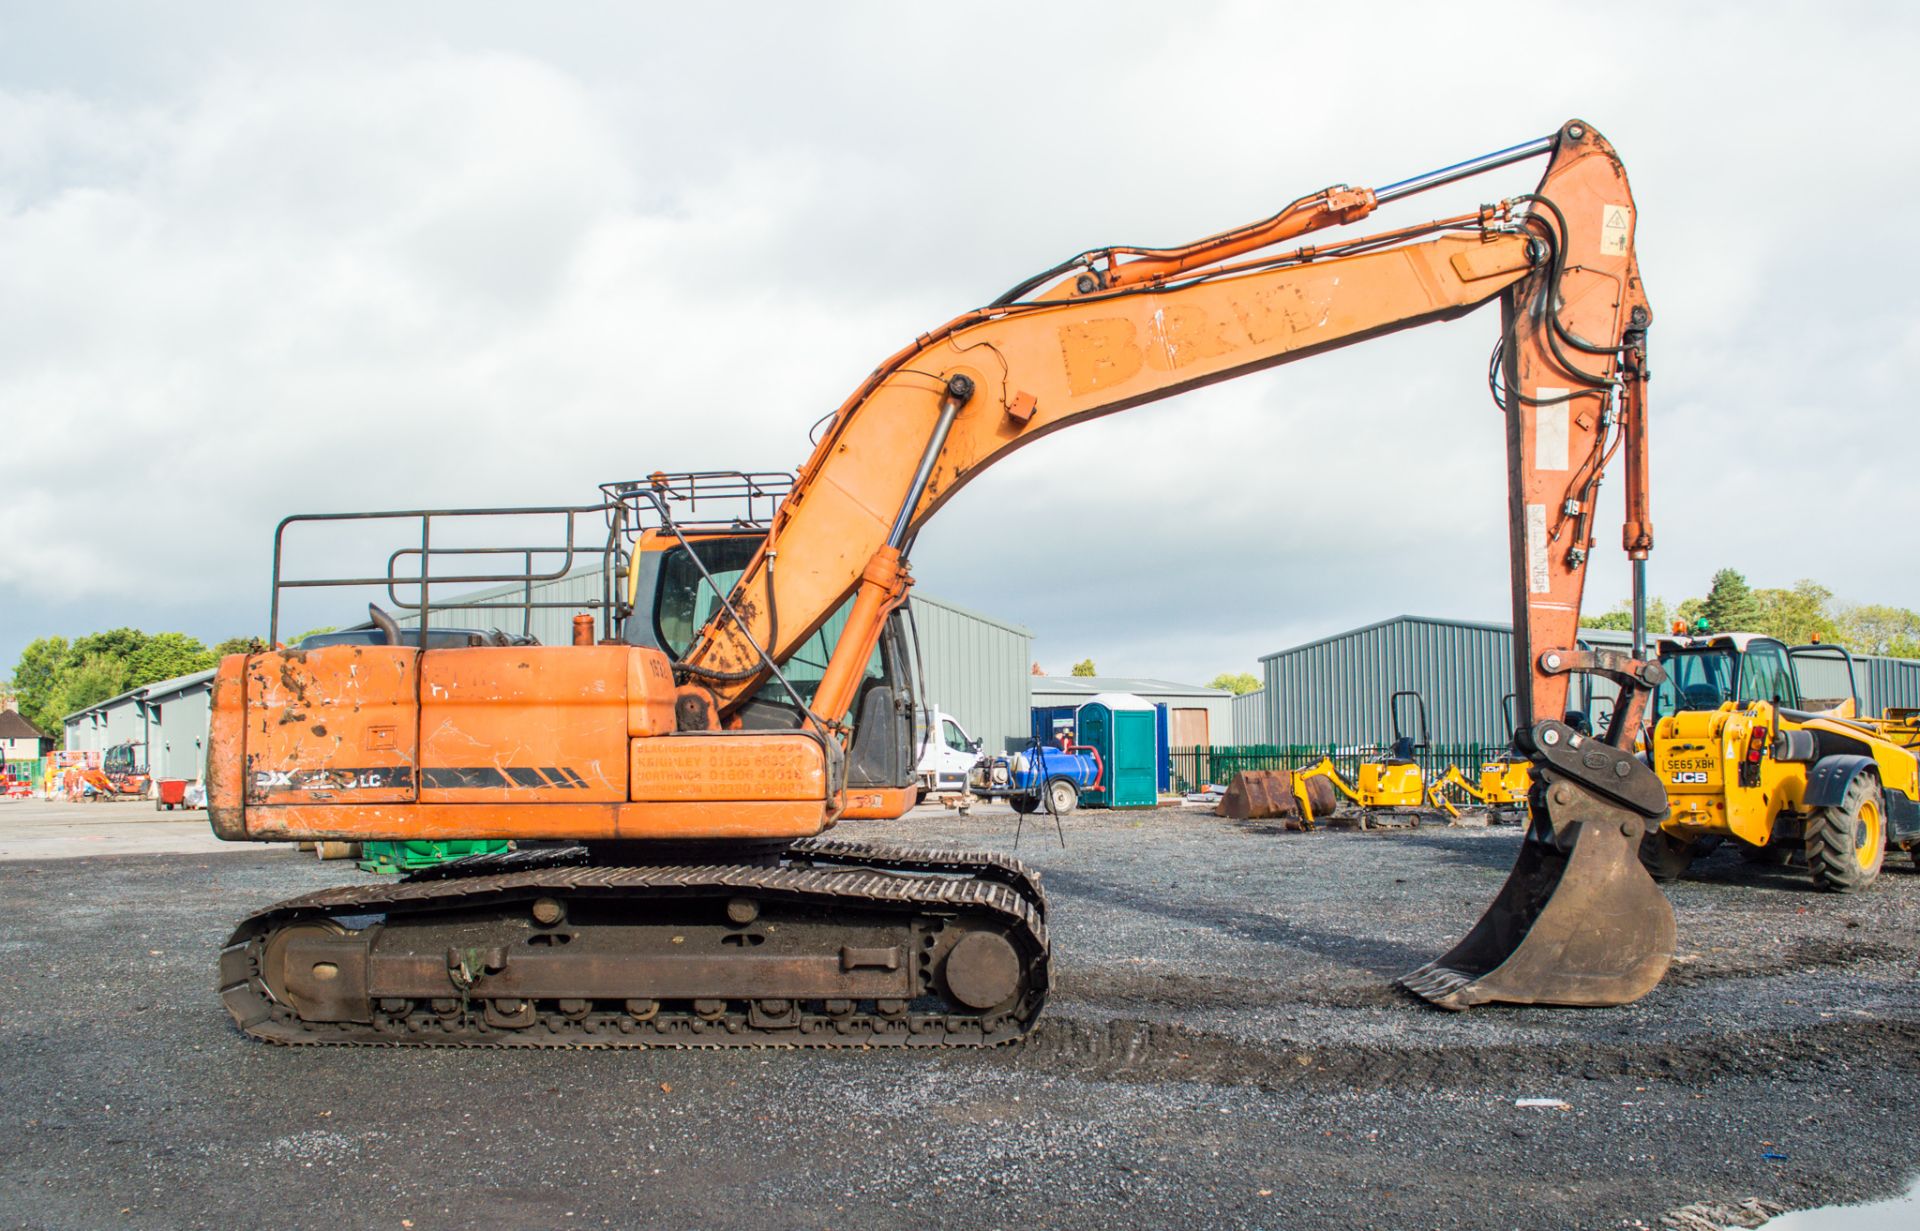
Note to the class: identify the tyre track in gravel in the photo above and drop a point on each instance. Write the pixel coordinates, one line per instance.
(1138, 1051)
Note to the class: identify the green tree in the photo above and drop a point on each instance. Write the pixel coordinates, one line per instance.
(36, 678)
(94, 678)
(166, 655)
(236, 645)
(1084, 667)
(1620, 618)
(1798, 615)
(114, 643)
(1239, 683)
(1730, 606)
(1873, 628)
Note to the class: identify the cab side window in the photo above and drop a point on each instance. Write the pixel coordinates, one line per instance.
(950, 733)
(1765, 676)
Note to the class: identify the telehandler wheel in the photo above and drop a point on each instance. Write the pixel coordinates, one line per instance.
(1066, 796)
(1847, 843)
(1665, 857)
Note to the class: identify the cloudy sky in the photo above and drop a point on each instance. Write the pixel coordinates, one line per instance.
(270, 259)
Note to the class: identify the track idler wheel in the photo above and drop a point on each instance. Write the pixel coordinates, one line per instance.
(1579, 921)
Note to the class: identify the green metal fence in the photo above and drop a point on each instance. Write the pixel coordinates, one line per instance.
(1194, 768)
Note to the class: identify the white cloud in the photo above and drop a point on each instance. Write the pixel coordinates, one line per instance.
(264, 263)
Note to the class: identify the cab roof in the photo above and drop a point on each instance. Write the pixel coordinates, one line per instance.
(1737, 642)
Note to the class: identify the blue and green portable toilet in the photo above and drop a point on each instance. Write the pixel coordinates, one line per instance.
(1121, 728)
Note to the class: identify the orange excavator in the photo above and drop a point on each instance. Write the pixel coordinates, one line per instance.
(744, 681)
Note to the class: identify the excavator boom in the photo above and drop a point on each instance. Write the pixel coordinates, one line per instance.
(662, 756)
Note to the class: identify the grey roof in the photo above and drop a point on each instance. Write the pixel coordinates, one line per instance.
(920, 596)
(1088, 685)
(179, 683)
(13, 726)
(156, 691)
(1592, 636)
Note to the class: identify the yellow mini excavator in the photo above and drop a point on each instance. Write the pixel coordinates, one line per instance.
(1392, 789)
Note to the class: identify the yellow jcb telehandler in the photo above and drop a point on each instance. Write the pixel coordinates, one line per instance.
(1748, 756)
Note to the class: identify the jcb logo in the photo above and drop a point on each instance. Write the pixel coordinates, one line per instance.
(1690, 777)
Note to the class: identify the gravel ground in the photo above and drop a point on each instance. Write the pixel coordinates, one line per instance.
(1224, 1049)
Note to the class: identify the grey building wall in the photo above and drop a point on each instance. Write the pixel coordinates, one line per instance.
(1336, 690)
(1051, 690)
(975, 665)
(547, 625)
(1250, 718)
(977, 669)
(177, 747)
(168, 719)
(1880, 683)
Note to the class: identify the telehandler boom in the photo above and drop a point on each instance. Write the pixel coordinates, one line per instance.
(747, 685)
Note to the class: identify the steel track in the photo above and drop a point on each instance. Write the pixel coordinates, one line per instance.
(929, 889)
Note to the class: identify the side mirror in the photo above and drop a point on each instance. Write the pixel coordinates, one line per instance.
(973, 745)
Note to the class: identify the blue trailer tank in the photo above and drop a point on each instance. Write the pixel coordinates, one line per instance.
(1029, 768)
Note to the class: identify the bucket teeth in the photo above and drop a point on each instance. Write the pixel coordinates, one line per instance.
(1437, 985)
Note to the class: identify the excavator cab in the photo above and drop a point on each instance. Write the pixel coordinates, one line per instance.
(1402, 705)
(1504, 779)
(680, 582)
(1395, 779)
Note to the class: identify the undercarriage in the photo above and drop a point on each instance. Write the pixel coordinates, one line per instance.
(831, 943)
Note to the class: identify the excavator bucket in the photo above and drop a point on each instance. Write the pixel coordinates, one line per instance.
(1579, 921)
(1258, 795)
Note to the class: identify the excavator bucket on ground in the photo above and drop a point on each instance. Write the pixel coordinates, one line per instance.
(1579, 921)
(1259, 795)
(1264, 794)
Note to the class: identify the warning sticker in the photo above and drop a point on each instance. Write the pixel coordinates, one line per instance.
(1551, 425)
(1616, 224)
(1538, 581)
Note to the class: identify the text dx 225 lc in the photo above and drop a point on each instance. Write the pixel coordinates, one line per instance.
(741, 681)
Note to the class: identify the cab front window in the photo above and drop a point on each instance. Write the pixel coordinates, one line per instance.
(1696, 680)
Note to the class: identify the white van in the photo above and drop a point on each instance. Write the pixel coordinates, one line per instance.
(947, 752)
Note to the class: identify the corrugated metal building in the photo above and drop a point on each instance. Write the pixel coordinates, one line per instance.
(1196, 716)
(976, 666)
(1887, 683)
(977, 669)
(1880, 683)
(1250, 718)
(166, 720)
(1336, 690)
